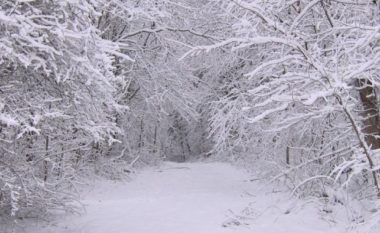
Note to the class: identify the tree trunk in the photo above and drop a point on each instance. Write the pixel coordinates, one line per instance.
(141, 140)
(370, 113)
(287, 155)
(46, 171)
(155, 140)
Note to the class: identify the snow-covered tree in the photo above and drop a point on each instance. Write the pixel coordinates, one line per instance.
(299, 88)
(57, 98)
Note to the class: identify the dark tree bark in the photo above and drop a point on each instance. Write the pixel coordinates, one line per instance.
(370, 114)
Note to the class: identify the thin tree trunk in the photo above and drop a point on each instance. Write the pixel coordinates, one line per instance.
(46, 156)
(141, 142)
(288, 155)
(155, 140)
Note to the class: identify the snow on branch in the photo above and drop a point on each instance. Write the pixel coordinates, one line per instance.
(268, 112)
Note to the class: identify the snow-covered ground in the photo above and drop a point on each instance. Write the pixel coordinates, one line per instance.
(192, 198)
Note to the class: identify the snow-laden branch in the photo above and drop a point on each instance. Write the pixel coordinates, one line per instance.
(305, 10)
(288, 58)
(268, 112)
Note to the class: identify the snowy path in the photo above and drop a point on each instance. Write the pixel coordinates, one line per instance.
(186, 198)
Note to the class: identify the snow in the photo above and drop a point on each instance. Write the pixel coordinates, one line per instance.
(307, 8)
(267, 112)
(7, 119)
(191, 198)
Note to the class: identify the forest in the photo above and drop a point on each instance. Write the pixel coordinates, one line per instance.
(99, 89)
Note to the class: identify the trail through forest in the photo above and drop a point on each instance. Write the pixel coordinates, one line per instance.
(190, 198)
